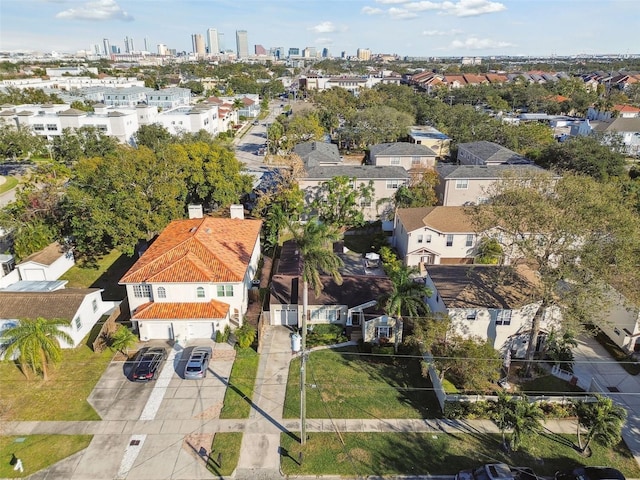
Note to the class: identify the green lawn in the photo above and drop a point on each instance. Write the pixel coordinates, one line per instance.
(105, 273)
(226, 447)
(548, 385)
(241, 381)
(378, 453)
(345, 384)
(38, 451)
(10, 182)
(62, 397)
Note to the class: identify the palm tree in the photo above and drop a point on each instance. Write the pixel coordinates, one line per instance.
(122, 339)
(502, 413)
(315, 242)
(525, 420)
(37, 343)
(603, 421)
(407, 296)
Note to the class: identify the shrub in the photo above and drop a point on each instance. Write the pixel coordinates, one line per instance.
(219, 337)
(382, 349)
(245, 335)
(226, 334)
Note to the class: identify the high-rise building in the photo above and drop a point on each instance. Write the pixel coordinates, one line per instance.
(197, 42)
(260, 50)
(213, 45)
(106, 46)
(363, 54)
(242, 43)
(146, 45)
(310, 52)
(131, 47)
(162, 49)
(221, 44)
(277, 52)
(325, 53)
(294, 52)
(126, 45)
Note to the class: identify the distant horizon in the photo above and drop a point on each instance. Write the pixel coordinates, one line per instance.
(407, 28)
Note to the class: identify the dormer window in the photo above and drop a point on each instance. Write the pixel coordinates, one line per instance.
(200, 292)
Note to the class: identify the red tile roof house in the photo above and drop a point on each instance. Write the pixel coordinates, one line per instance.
(194, 279)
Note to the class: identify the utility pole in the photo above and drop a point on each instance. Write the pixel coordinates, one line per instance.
(303, 370)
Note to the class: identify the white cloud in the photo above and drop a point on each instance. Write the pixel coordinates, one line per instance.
(474, 43)
(471, 8)
(324, 27)
(325, 41)
(371, 11)
(440, 33)
(391, 2)
(401, 13)
(96, 10)
(422, 6)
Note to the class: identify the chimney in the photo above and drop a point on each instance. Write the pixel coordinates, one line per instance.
(195, 211)
(236, 211)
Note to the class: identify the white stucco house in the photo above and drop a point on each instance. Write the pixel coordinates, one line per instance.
(620, 321)
(194, 279)
(80, 307)
(482, 301)
(47, 264)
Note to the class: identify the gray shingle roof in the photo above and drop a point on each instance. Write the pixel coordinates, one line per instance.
(400, 149)
(361, 172)
(314, 154)
(62, 304)
(618, 125)
(447, 171)
(491, 152)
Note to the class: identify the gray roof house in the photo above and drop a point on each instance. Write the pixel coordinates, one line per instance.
(405, 154)
(627, 128)
(488, 153)
(314, 154)
(470, 184)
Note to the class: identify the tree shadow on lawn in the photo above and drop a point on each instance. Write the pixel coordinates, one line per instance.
(110, 278)
(403, 374)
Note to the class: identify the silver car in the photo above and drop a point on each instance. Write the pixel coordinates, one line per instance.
(198, 363)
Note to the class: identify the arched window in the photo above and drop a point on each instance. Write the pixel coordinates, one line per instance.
(162, 292)
(200, 292)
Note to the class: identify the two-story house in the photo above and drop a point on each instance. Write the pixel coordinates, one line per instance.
(488, 153)
(472, 184)
(434, 235)
(194, 279)
(409, 156)
(489, 302)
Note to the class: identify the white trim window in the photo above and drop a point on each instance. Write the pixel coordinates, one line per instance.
(200, 292)
(469, 241)
(78, 322)
(416, 160)
(449, 239)
(383, 332)
(394, 184)
(142, 290)
(162, 292)
(428, 238)
(462, 183)
(503, 317)
(420, 238)
(225, 290)
(394, 160)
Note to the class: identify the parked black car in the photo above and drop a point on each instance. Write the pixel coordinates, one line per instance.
(590, 473)
(148, 363)
(497, 471)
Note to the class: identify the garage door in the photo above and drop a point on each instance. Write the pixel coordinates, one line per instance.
(33, 274)
(156, 331)
(201, 330)
(285, 317)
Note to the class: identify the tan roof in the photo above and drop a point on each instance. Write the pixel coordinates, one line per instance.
(441, 219)
(47, 255)
(484, 286)
(60, 304)
(198, 250)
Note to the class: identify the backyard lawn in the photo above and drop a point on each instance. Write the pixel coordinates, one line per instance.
(105, 273)
(365, 454)
(38, 451)
(62, 397)
(241, 381)
(343, 383)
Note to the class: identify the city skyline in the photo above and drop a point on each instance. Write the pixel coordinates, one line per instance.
(411, 28)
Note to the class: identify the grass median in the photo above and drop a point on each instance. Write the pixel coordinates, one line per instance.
(38, 451)
(365, 454)
(239, 394)
(225, 452)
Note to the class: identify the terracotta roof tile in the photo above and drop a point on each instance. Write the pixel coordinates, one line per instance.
(197, 250)
(181, 311)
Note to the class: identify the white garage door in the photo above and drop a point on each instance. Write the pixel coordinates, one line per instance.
(156, 330)
(284, 316)
(201, 330)
(33, 274)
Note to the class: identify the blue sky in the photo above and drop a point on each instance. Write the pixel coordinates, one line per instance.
(415, 27)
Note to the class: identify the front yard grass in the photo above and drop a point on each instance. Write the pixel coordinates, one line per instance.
(343, 383)
(237, 399)
(9, 183)
(438, 453)
(548, 385)
(38, 451)
(62, 397)
(226, 447)
(105, 273)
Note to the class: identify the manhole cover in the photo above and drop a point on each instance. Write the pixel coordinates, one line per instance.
(613, 389)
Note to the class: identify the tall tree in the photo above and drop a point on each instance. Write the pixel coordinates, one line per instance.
(315, 241)
(603, 420)
(575, 232)
(407, 297)
(37, 343)
(525, 421)
(19, 142)
(339, 202)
